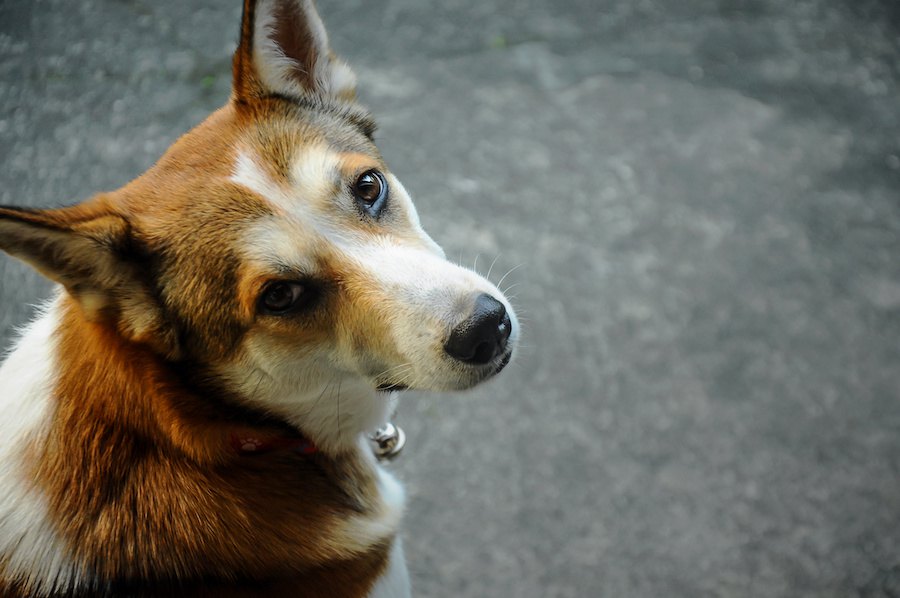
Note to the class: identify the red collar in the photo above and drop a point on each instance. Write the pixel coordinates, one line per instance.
(250, 444)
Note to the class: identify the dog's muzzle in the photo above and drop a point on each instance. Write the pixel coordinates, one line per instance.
(483, 336)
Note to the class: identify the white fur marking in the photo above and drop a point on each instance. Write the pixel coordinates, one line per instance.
(394, 582)
(248, 174)
(266, 248)
(313, 178)
(315, 172)
(35, 554)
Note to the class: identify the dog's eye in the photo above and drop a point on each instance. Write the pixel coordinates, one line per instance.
(282, 297)
(370, 190)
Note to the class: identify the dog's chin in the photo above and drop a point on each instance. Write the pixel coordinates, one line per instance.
(488, 371)
(462, 377)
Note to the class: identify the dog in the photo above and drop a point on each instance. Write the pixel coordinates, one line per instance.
(188, 416)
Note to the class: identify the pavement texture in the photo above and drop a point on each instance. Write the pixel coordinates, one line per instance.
(701, 201)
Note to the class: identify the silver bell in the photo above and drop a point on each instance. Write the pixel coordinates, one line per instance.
(387, 441)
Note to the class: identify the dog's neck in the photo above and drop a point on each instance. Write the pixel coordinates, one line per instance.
(113, 433)
(135, 388)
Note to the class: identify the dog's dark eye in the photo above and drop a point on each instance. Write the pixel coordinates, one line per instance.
(282, 297)
(370, 191)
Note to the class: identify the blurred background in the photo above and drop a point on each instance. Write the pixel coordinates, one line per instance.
(696, 207)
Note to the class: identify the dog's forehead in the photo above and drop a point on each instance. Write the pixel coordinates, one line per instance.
(300, 157)
(280, 132)
(308, 175)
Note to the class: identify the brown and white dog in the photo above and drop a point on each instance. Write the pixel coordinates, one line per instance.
(188, 416)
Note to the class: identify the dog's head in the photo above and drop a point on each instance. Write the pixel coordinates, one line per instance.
(272, 249)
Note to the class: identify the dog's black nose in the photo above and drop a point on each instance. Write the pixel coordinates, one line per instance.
(482, 336)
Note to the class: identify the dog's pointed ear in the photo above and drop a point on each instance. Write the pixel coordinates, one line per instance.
(284, 51)
(94, 256)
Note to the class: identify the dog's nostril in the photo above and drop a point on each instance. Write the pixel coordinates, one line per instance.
(484, 352)
(483, 335)
(505, 327)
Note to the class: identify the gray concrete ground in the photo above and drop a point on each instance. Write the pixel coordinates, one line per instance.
(703, 201)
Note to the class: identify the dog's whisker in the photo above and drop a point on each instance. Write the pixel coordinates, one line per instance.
(406, 365)
(523, 317)
(491, 268)
(395, 374)
(508, 272)
(407, 379)
(511, 287)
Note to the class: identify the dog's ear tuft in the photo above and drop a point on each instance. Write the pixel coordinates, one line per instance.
(94, 256)
(284, 51)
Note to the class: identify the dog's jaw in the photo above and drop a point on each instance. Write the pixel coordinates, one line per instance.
(334, 413)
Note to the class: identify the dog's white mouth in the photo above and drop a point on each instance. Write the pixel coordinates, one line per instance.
(388, 387)
(495, 367)
(475, 374)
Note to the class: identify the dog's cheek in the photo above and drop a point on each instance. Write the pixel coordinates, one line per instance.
(362, 333)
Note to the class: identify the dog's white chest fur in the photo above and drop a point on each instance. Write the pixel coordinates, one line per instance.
(394, 583)
(36, 555)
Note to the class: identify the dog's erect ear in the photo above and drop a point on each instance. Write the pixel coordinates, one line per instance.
(284, 51)
(96, 259)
